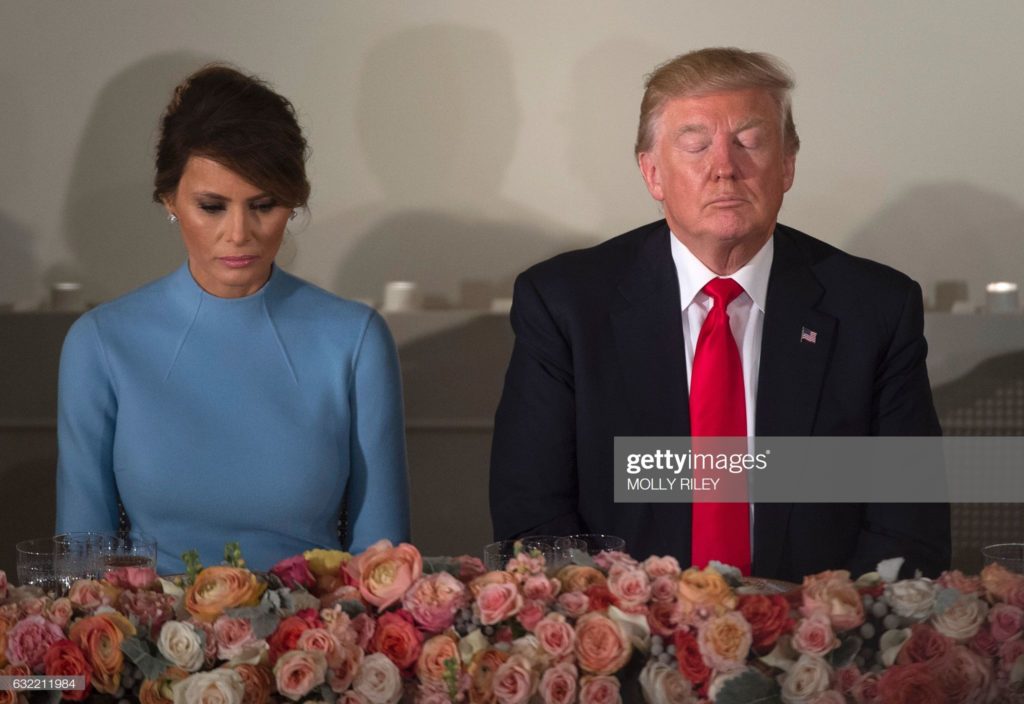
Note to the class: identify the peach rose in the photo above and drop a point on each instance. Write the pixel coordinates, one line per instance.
(221, 686)
(89, 595)
(580, 578)
(436, 652)
(725, 641)
(66, 658)
(805, 680)
(833, 594)
(601, 646)
(161, 690)
(601, 689)
(60, 611)
(574, 604)
(233, 635)
(998, 581)
(962, 620)
(257, 681)
(497, 602)
(481, 671)
(665, 685)
(384, 572)
(705, 589)
(514, 681)
(217, 589)
(297, 672)
(630, 586)
(555, 636)
(814, 636)
(379, 680)
(29, 639)
(343, 668)
(955, 579)
(558, 684)
(666, 566)
(100, 638)
(434, 600)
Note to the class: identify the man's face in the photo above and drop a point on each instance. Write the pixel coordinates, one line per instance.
(719, 167)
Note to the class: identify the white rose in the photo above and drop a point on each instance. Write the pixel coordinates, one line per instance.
(529, 647)
(963, 619)
(379, 680)
(635, 627)
(808, 678)
(180, 643)
(912, 598)
(665, 685)
(221, 686)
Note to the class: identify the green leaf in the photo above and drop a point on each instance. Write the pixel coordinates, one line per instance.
(327, 694)
(748, 687)
(846, 652)
(233, 555)
(436, 565)
(52, 697)
(192, 565)
(352, 608)
(151, 666)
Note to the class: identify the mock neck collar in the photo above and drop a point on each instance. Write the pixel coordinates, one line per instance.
(186, 284)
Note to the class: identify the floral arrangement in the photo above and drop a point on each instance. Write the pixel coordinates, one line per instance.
(386, 626)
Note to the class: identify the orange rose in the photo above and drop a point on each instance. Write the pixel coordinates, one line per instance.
(705, 588)
(998, 581)
(66, 658)
(258, 682)
(10, 696)
(384, 572)
(161, 690)
(436, 651)
(217, 589)
(725, 641)
(602, 648)
(489, 578)
(100, 639)
(481, 675)
(579, 578)
(286, 636)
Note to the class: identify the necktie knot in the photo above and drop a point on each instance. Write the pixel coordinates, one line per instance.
(722, 291)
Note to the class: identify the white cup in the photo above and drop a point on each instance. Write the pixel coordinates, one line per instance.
(401, 297)
(66, 296)
(1002, 297)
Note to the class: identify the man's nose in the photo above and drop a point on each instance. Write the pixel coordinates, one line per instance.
(723, 160)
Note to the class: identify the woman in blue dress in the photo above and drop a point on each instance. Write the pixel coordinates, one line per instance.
(231, 400)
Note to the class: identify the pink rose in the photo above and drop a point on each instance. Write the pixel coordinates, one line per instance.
(656, 567)
(555, 636)
(865, 690)
(28, 640)
(364, 628)
(297, 672)
(133, 578)
(664, 588)
(607, 559)
(814, 636)
(338, 623)
(725, 641)
(664, 617)
(530, 613)
(209, 640)
(965, 676)
(630, 586)
(434, 600)
(833, 594)
(847, 677)
(151, 609)
(469, 568)
(497, 602)
(232, 635)
(602, 689)
(926, 645)
(319, 639)
(385, 572)
(343, 666)
(436, 651)
(909, 684)
(558, 684)
(60, 612)
(294, 572)
(829, 696)
(432, 692)
(574, 604)
(602, 647)
(1005, 622)
(515, 681)
(984, 643)
(538, 587)
(88, 594)
(1009, 651)
(3, 585)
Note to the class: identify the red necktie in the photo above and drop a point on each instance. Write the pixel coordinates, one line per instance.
(721, 531)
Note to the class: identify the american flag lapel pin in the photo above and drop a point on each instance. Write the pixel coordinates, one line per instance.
(807, 335)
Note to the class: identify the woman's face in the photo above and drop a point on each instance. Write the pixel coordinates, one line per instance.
(231, 229)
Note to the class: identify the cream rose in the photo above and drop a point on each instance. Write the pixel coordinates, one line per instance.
(912, 598)
(665, 685)
(221, 686)
(725, 641)
(379, 680)
(180, 643)
(297, 672)
(809, 677)
(963, 619)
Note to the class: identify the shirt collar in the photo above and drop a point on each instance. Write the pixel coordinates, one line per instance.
(752, 276)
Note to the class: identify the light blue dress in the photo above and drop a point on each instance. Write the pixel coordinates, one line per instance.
(220, 419)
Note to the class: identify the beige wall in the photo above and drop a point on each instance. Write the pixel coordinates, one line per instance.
(456, 142)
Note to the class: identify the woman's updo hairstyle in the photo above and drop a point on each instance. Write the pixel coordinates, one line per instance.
(239, 122)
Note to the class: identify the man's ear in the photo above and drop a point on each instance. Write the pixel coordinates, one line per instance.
(652, 175)
(788, 171)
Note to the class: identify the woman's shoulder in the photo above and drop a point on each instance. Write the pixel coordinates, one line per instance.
(299, 296)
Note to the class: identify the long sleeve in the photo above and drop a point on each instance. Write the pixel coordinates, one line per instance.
(378, 491)
(87, 406)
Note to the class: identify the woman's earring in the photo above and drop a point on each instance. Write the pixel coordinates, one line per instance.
(172, 218)
(294, 214)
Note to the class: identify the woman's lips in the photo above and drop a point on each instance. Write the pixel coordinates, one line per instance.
(239, 262)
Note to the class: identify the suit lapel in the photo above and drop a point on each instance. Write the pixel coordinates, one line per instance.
(795, 349)
(647, 326)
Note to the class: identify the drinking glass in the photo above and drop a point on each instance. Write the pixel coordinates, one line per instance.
(497, 554)
(98, 552)
(1009, 555)
(597, 543)
(42, 563)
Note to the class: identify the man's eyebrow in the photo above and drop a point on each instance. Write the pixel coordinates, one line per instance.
(750, 123)
(691, 129)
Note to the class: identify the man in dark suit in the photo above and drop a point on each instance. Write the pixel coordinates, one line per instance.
(607, 340)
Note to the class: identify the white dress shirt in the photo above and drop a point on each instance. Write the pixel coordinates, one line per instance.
(746, 318)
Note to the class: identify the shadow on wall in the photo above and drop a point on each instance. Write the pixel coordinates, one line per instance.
(17, 263)
(947, 232)
(437, 117)
(607, 87)
(119, 238)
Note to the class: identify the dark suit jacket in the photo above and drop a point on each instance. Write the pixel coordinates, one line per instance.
(599, 353)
